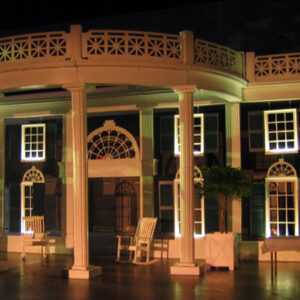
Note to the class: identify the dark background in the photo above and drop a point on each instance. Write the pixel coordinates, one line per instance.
(263, 26)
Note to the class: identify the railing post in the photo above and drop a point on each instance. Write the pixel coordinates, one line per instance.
(75, 42)
(187, 47)
(250, 66)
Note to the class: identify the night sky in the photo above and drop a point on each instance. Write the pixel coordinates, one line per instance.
(263, 26)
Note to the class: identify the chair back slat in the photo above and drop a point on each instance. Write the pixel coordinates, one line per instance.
(146, 228)
(34, 225)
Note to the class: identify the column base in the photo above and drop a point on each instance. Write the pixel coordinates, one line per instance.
(186, 269)
(90, 272)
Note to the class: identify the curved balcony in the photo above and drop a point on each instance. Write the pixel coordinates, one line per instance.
(52, 56)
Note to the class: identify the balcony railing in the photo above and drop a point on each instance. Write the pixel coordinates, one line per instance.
(132, 45)
(33, 47)
(219, 57)
(284, 67)
(116, 48)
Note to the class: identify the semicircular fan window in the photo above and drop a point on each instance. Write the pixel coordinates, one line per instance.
(110, 142)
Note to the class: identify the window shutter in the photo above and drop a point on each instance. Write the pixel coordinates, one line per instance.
(166, 134)
(211, 133)
(257, 210)
(256, 131)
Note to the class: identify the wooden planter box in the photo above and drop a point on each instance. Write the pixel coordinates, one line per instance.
(221, 250)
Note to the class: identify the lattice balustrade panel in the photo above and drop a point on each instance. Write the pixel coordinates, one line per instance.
(27, 47)
(97, 44)
(276, 67)
(218, 57)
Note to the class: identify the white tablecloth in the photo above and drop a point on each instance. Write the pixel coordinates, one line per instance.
(276, 244)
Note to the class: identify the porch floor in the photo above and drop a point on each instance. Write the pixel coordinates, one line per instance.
(38, 279)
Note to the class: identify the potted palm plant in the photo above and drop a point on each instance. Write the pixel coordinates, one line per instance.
(223, 184)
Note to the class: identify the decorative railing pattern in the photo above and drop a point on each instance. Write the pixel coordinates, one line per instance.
(98, 43)
(277, 67)
(218, 57)
(117, 47)
(43, 45)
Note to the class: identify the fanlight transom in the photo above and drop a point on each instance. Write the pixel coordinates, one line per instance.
(111, 142)
(33, 175)
(197, 174)
(281, 169)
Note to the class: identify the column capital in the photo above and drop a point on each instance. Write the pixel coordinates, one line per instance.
(78, 86)
(180, 89)
(146, 106)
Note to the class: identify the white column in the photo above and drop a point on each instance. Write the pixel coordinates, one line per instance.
(81, 268)
(3, 263)
(187, 265)
(146, 157)
(2, 174)
(233, 157)
(69, 206)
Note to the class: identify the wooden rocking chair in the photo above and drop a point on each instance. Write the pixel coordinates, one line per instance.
(35, 234)
(139, 243)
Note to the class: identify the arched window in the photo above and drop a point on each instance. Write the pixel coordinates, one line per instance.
(31, 177)
(281, 200)
(111, 142)
(199, 226)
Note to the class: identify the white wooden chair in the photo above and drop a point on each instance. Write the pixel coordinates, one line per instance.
(139, 243)
(35, 234)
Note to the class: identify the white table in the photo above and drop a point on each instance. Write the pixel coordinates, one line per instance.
(275, 244)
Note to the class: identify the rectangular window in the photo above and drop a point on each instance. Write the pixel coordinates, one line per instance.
(281, 131)
(198, 134)
(166, 206)
(33, 142)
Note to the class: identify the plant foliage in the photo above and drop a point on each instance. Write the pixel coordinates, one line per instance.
(224, 184)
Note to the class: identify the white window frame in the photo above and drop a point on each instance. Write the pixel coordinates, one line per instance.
(281, 172)
(31, 146)
(269, 222)
(199, 143)
(26, 199)
(285, 131)
(177, 208)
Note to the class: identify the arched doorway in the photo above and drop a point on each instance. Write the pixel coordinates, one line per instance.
(32, 194)
(114, 169)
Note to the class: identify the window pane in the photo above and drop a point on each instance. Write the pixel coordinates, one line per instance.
(291, 229)
(291, 216)
(198, 228)
(282, 229)
(273, 215)
(282, 216)
(198, 215)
